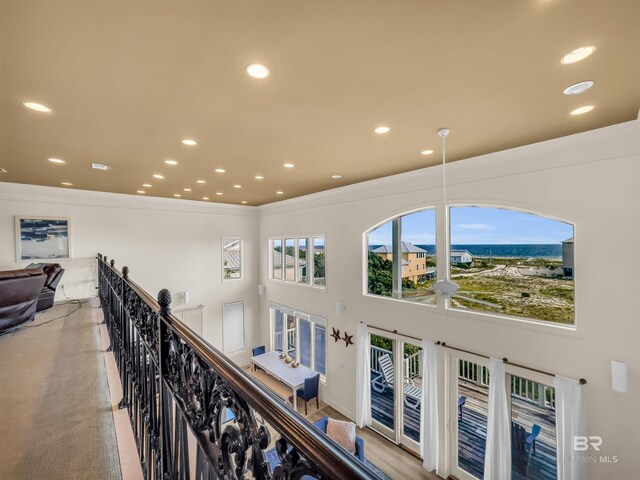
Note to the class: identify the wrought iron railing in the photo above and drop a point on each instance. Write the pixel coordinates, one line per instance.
(185, 396)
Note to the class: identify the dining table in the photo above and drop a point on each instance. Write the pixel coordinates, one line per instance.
(278, 368)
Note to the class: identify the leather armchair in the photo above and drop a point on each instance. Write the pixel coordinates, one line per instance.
(19, 293)
(54, 272)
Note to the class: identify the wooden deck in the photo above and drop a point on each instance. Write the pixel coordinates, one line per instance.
(472, 431)
(472, 434)
(382, 411)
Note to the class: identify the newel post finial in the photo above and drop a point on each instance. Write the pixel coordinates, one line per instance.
(100, 256)
(164, 299)
(112, 263)
(105, 259)
(125, 272)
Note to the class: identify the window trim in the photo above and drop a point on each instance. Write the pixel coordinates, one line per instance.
(310, 266)
(241, 240)
(298, 315)
(576, 329)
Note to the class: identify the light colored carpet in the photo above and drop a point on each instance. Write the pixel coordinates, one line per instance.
(55, 413)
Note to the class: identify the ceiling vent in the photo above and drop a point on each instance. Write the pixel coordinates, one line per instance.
(99, 166)
(2, 170)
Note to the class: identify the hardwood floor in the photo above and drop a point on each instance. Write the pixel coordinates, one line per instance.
(388, 457)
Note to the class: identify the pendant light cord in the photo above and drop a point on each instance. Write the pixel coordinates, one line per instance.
(444, 170)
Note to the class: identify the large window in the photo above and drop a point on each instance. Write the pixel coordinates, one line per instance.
(301, 335)
(232, 258)
(299, 260)
(512, 263)
(411, 272)
(506, 262)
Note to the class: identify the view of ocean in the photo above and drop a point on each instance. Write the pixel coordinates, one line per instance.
(550, 251)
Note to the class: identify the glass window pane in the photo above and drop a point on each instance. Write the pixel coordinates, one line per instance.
(301, 268)
(232, 258)
(278, 324)
(382, 381)
(305, 342)
(412, 391)
(319, 276)
(522, 264)
(289, 259)
(380, 256)
(277, 258)
(321, 349)
(533, 430)
(473, 402)
(419, 256)
(291, 336)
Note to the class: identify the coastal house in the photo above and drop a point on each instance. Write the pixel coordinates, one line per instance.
(414, 261)
(198, 186)
(461, 257)
(567, 257)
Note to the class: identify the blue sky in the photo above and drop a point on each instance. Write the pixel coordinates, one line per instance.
(478, 225)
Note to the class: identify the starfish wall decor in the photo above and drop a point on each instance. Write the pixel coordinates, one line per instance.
(348, 340)
(335, 334)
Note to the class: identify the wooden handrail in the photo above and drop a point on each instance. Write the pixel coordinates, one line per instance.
(321, 456)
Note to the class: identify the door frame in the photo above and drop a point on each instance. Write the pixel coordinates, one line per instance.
(396, 435)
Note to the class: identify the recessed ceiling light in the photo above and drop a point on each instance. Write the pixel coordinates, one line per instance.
(177, 195)
(279, 192)
(336, 177)
(581, 110)
(146, 185)
(187, 189)
(237, 186)
(243, 201)
(578, 54)
(158, 176)
(256, 70)
(188, 141)
(170, 162)
(99, 166)
(220, 170)
(201, 181)
(67, 184)
(426, 152)
(259, 177)
(219, 193)
(288, 165)
(56, 160)
(205, 198)
(37, 107)
(578, 88)
(382, 130)
(141, 191)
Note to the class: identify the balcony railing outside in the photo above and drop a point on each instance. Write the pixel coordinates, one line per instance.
(411, 367)
(177, 387)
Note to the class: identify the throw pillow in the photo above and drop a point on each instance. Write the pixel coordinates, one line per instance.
(343, 433)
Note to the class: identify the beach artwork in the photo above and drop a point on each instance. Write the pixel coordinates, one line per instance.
(42, 238)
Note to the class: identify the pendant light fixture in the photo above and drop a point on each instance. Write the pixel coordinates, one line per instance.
(446, 287)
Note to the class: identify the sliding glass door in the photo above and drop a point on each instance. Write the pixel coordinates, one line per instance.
(396, 389)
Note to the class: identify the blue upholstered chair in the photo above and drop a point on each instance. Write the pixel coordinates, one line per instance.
(322, 425)
(310, 390)
(461, 401)
(258, 350)
(530, 444)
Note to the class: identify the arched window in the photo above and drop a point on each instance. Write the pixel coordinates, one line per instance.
(512, 263)
(401, 258)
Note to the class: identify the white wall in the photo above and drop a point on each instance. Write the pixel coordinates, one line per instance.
(165, 243)
(591, 179)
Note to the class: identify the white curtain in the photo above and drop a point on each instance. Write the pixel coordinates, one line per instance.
(363, 377)
(569, 424)
(497, 457)
(429, 410)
